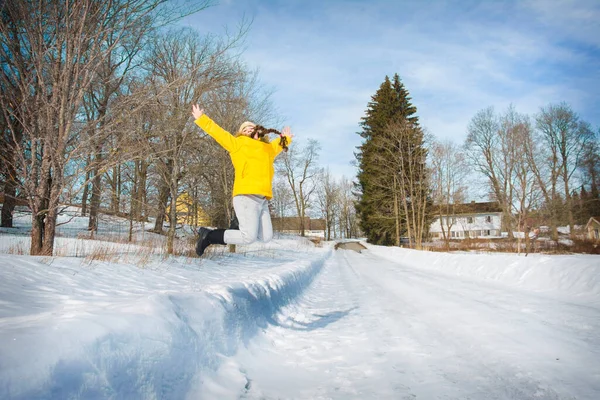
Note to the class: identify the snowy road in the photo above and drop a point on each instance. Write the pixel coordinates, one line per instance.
(369, 327)
(288, 320)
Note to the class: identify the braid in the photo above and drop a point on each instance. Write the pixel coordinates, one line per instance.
(262, 131)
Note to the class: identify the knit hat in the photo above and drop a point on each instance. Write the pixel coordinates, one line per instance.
(246, 124)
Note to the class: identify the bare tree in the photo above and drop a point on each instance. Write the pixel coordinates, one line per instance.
(182, 68)
(402, 153)
(11, 138)
(299, 166)
(55, 50)
(491, 147)
(590, 171)
(327, 199)
(564, 139)
(449, 173)
(348, 220)
(283, 199)
(525, 188)
(108, 84)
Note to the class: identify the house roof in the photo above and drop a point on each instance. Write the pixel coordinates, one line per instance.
(470, 208)
(289, 223)
(592, 220)
(293, 224)
(317, 224)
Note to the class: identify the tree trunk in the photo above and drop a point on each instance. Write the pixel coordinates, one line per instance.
(95, 201)
(96, 190)
(11, 184)
(134, 207)
(130, 233)
(507, 222)
(302, 212)
(37, 234)
(445, 234)
(10, 191)
(406, 213)
(140, 193)
(172, 224)
(39, 213)
(115, 188)
(86, 189)
(554, 215)
(396, 213)
(519, 224)
(49, 231)
(569, 206)
(174, 194)
(163, 201)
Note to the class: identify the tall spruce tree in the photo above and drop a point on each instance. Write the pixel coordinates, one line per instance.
(378, 206)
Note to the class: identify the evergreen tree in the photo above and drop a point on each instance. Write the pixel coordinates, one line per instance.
(378, 206)
(590, 168)
(578, 200)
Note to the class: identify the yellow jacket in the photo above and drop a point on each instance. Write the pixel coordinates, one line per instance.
(252, 159)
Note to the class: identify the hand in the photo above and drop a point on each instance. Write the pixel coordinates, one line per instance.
(197, 112)
(286, 131)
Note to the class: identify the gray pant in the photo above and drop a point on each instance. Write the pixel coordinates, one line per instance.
(255, 222)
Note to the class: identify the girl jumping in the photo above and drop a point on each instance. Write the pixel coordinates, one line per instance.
(252, 156)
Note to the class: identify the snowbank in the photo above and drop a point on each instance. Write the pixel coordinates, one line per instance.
(570, 275)
(70, 330)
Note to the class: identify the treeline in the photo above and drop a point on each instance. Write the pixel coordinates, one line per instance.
(96, 110)
(303, 188)
(542, 169)
(96, 100)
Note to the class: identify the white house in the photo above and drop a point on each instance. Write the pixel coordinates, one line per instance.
(470, 220)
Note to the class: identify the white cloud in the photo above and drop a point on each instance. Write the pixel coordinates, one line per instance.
(326, 60)
(573, 19)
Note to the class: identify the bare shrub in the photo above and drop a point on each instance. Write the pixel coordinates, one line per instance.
(316, 240)
(587, 246)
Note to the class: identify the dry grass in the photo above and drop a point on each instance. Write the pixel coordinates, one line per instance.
(543, 245)
(143, 259)
(17, 249)
(185, 247)
(59, 251)
(104, 248)
(103, 253)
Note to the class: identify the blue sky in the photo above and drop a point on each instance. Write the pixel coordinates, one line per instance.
(325, 59)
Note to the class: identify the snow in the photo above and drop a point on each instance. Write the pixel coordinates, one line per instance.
(288, 320)
(574, 276)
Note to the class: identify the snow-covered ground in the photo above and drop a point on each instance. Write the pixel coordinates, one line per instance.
(287, 320)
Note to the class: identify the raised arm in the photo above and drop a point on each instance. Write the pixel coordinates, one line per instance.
(224, 138)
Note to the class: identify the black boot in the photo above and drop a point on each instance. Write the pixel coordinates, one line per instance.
(206, 237)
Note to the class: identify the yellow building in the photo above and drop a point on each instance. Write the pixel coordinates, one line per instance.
(593, 228)
(189, 211)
